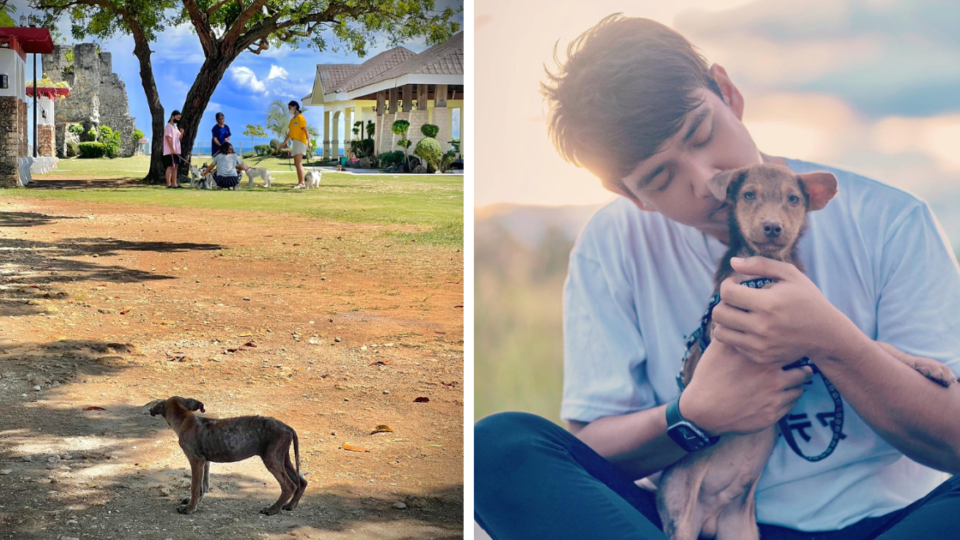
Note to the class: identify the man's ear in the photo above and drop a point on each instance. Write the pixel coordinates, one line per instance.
(820, 187)
(731, 95)
(719, 185)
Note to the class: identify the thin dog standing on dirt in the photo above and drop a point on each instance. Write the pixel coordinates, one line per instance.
(206, 440)
(711, 492)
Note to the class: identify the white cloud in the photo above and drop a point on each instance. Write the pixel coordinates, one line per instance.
(277, 72)
(246, 78)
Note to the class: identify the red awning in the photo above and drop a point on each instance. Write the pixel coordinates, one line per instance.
(49, 92)
(32, 40)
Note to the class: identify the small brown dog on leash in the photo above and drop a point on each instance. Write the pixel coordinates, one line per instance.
(711, 492)
(206, 440)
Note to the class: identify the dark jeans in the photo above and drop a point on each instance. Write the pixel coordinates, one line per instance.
(536, 480)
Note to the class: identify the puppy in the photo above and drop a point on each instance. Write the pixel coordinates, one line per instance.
(711, 492)
(312, 178)
(198, 182)
(205, 440)
(261, 172)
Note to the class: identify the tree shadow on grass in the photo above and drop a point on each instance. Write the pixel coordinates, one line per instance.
(81, 183)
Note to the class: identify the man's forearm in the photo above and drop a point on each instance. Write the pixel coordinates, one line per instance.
(914, 414)
(635, 443)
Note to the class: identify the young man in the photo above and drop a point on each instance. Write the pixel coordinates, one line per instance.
(639, 107)
(171, 149)
(297, 132)
(221, 134)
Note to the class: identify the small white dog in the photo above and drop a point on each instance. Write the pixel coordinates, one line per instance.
(206, 182)
(260, 172)
(312, 178)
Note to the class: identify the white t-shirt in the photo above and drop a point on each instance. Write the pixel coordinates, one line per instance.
(227, 164)
(638, 284)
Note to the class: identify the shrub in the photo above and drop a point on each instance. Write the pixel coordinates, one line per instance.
(250, 154)
(76, 129)
(263, 149)
(73, 148)
(448, 160)
(429, 151)
(89, 136)
(362, 148)
(105, 133)
(137, 135)
(274, 144)
(388, 159)
(430, 130)
(92, 150)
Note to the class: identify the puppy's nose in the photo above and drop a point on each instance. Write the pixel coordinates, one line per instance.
(772, 229)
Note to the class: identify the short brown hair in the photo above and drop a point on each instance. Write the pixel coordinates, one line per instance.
(625, 88)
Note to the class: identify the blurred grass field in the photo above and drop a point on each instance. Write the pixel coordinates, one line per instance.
(432, 204)
(518, 322)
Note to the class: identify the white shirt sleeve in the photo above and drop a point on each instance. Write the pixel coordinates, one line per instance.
(604, 354)
(918, 310)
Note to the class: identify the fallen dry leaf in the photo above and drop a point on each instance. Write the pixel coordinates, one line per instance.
(422, 400)
(382, 428)
(94, 408)
(381, 363)
(454, 383)
(352, 448)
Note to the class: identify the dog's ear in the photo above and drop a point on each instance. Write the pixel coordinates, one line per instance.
(820, 187)
(193, 405)
(159, 409)
(720, 184)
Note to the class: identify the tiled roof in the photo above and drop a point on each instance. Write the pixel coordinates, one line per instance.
(346, 77)
(443, 59)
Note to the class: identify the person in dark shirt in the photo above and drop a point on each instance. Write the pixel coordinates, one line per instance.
(221, 134)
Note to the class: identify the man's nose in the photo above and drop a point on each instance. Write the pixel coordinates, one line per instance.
(772, 229)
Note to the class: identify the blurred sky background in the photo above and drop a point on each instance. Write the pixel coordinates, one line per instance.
(249, 85)
(868, 85)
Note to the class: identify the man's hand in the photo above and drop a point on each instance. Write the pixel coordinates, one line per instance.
(732, 394)
(181, 133)
(789, 320)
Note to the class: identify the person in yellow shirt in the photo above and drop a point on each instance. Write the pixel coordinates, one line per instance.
(299, 138)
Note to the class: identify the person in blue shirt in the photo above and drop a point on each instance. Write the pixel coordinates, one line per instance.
(221, 134)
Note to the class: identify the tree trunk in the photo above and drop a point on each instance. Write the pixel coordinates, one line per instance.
(155, 175)
(197, 100)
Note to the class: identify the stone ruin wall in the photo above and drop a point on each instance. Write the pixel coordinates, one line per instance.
(97, 95)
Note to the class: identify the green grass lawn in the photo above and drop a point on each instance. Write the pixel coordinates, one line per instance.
(433, 203)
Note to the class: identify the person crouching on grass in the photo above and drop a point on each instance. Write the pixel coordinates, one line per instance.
(228, 165)
(299, 136)
(639, 107)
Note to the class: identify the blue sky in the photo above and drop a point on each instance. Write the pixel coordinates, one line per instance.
(245, 91)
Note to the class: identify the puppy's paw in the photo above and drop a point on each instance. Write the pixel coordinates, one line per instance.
(185, 501)
(935, 371)
(186, 509)
(269, 510)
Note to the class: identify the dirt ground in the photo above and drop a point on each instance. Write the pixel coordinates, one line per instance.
(333, 328)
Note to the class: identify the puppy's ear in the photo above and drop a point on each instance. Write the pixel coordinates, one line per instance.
(720, 184)
(193, 405)
(820, 187)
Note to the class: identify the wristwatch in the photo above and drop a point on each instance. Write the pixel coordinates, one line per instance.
(684, 432)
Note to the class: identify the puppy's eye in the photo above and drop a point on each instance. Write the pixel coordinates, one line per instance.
(793, 199)
(749, 195)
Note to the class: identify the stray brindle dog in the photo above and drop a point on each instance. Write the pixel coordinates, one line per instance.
(711, 492)
(206, 440)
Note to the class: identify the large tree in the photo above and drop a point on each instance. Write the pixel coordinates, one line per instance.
(227, 28)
